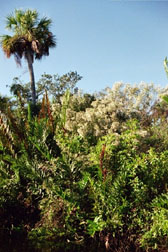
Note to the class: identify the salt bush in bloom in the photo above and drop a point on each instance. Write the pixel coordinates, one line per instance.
(110, 110)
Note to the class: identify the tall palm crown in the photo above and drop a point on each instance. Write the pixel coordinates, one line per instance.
(32, 39)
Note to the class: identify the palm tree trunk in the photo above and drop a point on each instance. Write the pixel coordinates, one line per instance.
(32, 79)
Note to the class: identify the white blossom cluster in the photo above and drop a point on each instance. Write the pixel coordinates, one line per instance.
(106, 114)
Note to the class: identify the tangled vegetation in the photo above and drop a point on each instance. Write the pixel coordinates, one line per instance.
(87, 167)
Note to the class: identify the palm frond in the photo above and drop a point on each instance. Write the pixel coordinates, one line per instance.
(44, 24)
(11, 22)
(14, 46)
(45, 43)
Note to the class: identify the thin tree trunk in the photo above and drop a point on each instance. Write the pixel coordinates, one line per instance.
(32, 79)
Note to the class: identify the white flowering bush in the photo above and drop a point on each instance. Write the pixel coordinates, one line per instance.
(110, 110)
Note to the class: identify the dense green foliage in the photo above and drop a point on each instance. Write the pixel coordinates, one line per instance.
(88, 166)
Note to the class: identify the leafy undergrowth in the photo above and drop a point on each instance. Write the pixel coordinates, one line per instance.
(103, 183)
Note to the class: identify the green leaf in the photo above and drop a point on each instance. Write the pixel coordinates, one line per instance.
(165, 98)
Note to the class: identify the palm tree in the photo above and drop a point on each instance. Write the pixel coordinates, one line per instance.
(32, 39)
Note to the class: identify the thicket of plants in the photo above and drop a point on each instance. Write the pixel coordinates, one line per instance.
(87, 167)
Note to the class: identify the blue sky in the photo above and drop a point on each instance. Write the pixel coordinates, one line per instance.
(103, 40)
